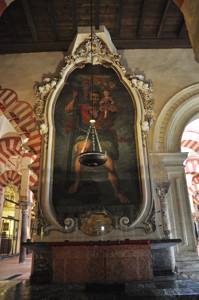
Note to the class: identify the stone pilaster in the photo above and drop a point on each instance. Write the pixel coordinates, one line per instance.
(162, 192)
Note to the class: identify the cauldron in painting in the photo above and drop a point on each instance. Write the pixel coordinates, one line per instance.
(113, 186)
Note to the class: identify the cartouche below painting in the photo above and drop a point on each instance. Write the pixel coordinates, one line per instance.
(113, 186)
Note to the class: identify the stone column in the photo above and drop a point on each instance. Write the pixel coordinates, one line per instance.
(25, 203)
(25, 207)
(1, 208)
(162, 192)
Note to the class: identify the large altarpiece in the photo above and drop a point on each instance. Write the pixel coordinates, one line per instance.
(77, 203)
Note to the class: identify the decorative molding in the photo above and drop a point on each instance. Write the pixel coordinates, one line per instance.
(179, 110)
(42, 92)
(149, 225)
(145, 90)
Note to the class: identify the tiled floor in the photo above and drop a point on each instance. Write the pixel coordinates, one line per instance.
(10, 267)
(14, 285)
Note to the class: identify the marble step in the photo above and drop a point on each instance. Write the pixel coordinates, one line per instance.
(187, 265)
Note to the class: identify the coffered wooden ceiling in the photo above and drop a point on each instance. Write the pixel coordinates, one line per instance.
(50, 25)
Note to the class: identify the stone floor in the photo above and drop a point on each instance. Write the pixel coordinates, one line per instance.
(15, 285)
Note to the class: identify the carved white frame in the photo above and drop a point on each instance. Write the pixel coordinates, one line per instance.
(141, 94)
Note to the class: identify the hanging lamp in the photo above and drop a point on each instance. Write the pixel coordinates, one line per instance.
(95, 157)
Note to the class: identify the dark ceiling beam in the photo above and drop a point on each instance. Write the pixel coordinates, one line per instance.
(119, 43)
(181, 28)
(51, 14)
(151, 43)
(97, 14)
(9, 24)
(30, 20)
(35, 47)
(163, 19)
(119, 18)
(141, 18)
(73, 11)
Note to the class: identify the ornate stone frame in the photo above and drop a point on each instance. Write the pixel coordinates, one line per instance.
(141, 94)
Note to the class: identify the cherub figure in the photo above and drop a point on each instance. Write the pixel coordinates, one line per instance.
(105, 103)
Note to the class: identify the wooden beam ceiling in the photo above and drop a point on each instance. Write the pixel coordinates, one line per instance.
(50, 25)
(163, 19)
(50, 9)
(29, 18)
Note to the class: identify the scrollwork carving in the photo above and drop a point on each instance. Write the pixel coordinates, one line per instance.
(100, 54)
(148, 225)
(42, 93)
(145, 90)
(69, 224)
(124, 223)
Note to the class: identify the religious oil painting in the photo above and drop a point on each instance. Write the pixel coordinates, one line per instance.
(114, 185)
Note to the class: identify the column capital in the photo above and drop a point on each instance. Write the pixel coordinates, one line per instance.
(162, 189)
(25, 206)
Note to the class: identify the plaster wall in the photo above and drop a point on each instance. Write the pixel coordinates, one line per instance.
(169, 70)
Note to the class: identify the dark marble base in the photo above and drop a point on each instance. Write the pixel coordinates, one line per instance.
(161, 261)
(101, 264)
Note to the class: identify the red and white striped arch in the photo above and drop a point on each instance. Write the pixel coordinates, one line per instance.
(195, 179)
(10, 146)
(21, 116)
(9, 176)
(192, 166)
(194, 193)
(190, 144)
(190, 140)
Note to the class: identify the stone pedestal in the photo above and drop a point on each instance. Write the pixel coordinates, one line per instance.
(85, 262)
(162, 256)
(41, 272)
(101, 264)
